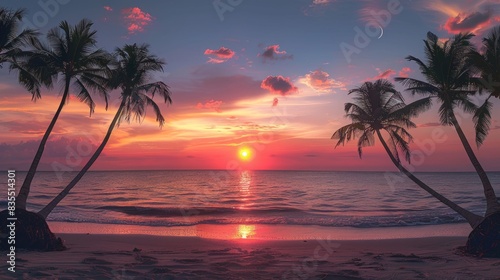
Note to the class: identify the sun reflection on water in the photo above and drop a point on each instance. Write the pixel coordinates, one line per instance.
(246, 231)
(245, 181)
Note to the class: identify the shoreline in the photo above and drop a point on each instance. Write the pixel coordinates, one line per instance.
(118, 256)
(267, 232)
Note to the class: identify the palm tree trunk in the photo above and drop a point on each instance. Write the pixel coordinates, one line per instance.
(22, 197)
(492, 204)
(471, 218)
(47, 209)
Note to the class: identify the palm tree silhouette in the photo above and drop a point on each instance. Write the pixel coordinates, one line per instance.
(487, 67)
(379, 107)
(130, 74)
(448, 73)
(11, 40)
(72, 58)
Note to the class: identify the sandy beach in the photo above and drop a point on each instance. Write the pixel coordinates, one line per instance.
(94, 256)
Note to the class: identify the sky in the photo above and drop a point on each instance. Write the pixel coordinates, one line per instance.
(270, 77)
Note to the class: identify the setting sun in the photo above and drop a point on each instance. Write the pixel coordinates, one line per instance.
(245, 153)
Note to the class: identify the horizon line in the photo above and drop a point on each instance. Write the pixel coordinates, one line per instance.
(291, 170)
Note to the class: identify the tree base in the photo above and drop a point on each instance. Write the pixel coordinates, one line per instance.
(484, 240)
(31, 232)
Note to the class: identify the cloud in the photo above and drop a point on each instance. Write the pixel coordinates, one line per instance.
(405, 72)
(33, 127)
(222, 52)
(215, 60)
(467, 22)
(278, 85)
(387, 74)
(317, 7)
(211, 104)
(220, 87)
(136, 19)
(321, 81)
(251, 126)
(108, 8)
(273, 53)
(431, 124)
(311, 155)
(275, 102)
(322, 2)
(464, 15)
(383, 74)
(68, 152)
(221, 55)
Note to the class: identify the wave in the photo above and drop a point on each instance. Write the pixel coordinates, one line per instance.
(171, 217)
(215, 211)
(369, 223)
(196, 211)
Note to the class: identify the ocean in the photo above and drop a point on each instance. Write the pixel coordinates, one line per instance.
(165, 199)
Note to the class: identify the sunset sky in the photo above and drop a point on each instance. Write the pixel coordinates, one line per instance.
(270, 76)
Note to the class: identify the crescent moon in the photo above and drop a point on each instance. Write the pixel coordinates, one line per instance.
(381, 32)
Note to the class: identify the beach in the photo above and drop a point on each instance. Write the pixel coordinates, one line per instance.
(131, 256)
(257, 225)
(232, 139)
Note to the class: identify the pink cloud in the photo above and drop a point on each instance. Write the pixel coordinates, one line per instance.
(215, 60)
(222, 52)
(108, 8)
(464, 15)
(211, 105)
(322, 2)
(431, 124)
(136, 19)
(405, 72)
(383, 74)
(386, 74)
(370, 11)
(278, 85)
(321, 81)
(275, 102)
(221, 55)
(273, 53)
(468, 22)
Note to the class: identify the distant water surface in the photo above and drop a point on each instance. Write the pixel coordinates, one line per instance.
(186, 198)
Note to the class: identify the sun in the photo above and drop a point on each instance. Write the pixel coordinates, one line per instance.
(245, 154)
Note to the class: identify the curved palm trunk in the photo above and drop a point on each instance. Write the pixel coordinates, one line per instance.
(471, 218)
(492, 204)
(47, 209)
(22, 197)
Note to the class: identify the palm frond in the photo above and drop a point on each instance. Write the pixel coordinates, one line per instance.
(347, 133)
(413, 109)
(159, 88)
(418, 87)
(366, 139)
(401, 144)
(482, 122)
(159, 117)
(84, 95)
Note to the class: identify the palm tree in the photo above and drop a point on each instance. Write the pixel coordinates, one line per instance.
(71, 56)
(131, 74)
(487, 66)
(11, 43)
(378, 107)
(448, 73)
(11, 40)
